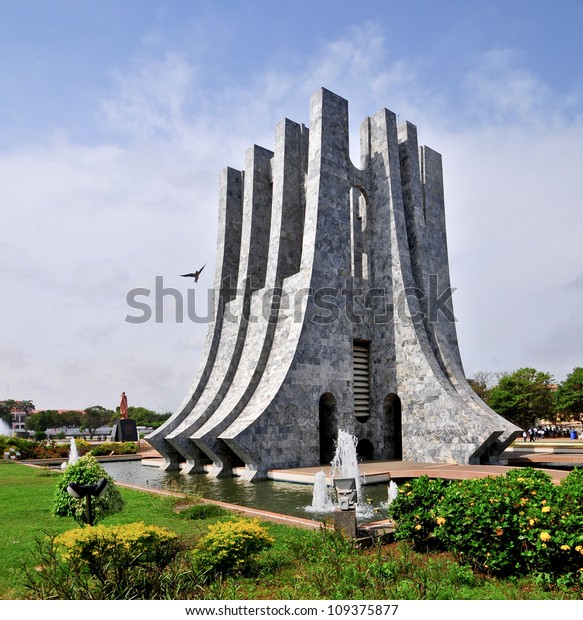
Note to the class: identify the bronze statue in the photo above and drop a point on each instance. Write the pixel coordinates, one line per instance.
(123, 406)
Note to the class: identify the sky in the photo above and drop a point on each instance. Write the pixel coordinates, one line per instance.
(117, 118)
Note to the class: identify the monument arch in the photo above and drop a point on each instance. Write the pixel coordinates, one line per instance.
(392, 415)
(327, 427)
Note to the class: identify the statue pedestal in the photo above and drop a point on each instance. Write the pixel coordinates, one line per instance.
(124, 430)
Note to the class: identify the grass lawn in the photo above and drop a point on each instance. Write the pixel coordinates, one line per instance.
(302, 564)
(26, 501)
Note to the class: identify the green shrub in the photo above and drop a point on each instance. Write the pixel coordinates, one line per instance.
(61, 449)
(118, 547)
(86, 471)
(483, 520)
(129, 447)
(83, 447)
(515, 524)
(27, 448)
(114, 447)
(116, 562)
(571, 489)
(415, 509)
(203, 511)
(231, 546)
(41, 449)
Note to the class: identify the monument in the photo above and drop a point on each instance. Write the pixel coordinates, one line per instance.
(332, 310)
(125, 428)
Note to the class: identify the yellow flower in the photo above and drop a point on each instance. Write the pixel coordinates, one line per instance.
(531, 521)
(418, 527)
(544, 502)
(499, 531)
(544, 536)
(440, 520)
(579, 548)
(546, 509)
(565, 547)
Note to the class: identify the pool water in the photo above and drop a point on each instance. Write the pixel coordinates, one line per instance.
(280, 497)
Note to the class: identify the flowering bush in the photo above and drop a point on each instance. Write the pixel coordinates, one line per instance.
(122, 546)
(232, 546)
(486, 519)
(513, 524)
(109, 447)
(47, 449)
(415, 509)
(119, 562)
(86, 471)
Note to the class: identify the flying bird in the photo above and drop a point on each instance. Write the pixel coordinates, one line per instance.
(194, 275)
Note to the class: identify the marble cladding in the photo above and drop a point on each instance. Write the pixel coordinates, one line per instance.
(324, 254)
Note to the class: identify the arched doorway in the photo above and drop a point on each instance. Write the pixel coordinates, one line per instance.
(328, 427)
(365, 450)
(394, 438)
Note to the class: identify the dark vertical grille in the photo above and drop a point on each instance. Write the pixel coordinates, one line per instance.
(361, 380)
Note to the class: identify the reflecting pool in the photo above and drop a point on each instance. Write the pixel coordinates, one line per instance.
(281, 497)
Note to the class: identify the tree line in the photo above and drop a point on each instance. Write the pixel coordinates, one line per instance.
(527, 395)
(9, 405)
(524, 397)
(89, 420)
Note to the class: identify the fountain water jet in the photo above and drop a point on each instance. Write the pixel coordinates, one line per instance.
(344, 465)
(392, 491)
(73, 454)
(321, 499)
(5, 429)
(345, 462)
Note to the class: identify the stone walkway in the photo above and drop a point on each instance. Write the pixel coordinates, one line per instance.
(374, 472)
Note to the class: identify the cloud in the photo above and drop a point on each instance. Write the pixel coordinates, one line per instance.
(149, 99)
(89, 221)
(500, 90)
(560, 347)
(576, 284)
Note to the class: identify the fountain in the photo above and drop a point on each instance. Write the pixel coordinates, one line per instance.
(73, 454)
(344, 465)
(392, 491)
(321, 499)
(5, 429)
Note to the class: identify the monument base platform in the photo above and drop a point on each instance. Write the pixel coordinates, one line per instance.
(124, 430)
